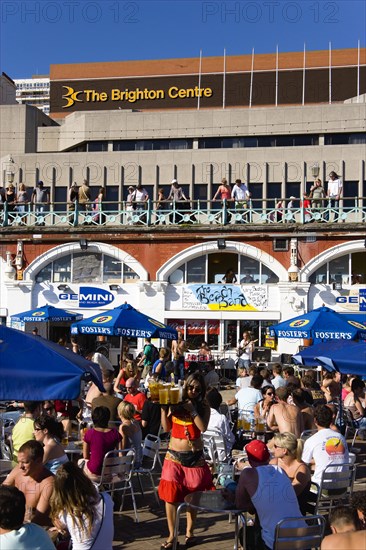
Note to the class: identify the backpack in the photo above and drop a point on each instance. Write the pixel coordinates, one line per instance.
(154, 353)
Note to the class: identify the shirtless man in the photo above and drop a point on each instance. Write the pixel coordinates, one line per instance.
(179, 347)
(283, 417)
(346, 531)
(34, 480)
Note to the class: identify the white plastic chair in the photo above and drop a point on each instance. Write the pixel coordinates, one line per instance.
(150, 451)
(116, 475)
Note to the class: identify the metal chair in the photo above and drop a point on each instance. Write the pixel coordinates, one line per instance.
(288, 536)
(307, 433)
(6, 466)
(336, 485)
(116, 475)
(150, 451)
(221, 452)
(351, 426)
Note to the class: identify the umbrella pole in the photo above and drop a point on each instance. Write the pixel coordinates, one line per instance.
(121, 354)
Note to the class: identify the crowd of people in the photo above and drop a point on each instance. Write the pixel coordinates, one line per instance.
(316, 200)
(57, 497)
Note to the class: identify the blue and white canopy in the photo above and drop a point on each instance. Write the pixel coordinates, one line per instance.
(343, 356)
(46, 313)
(35, 369)
(125, 321)
(321, 324)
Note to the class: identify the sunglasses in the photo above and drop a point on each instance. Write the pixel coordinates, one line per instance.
(270, 393)
(278, 446)
(37, 429)
(194, 388)
(49, 409)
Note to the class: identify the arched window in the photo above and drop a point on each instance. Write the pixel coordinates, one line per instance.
(211, 268)
(348, 269)
(81, 268)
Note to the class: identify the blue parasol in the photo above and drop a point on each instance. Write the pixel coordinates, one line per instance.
(35, 369)
(125, 321)
(345, 357)
(321, 324)
(47, 313)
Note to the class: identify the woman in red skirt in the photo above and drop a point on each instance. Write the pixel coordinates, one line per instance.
(185, 469)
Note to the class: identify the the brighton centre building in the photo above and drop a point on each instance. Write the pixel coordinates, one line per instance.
(275, 122)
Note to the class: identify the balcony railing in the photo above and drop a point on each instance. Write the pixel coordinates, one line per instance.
(204, 213)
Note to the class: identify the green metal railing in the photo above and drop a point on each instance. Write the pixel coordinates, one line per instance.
(149, 214)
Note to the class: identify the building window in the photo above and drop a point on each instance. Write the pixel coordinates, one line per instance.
(211, 269)
(348, 269)
(81, 268)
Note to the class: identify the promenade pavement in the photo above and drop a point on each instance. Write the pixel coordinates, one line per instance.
(213, 532)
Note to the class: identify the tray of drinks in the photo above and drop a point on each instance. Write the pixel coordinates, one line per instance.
(164, 393)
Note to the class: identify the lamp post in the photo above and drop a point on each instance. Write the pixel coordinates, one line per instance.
(315, 169)
(10, 170)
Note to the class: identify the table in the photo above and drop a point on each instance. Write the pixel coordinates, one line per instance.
(210, 501)
(73, 450)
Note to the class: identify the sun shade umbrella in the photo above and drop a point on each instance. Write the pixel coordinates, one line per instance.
(344, 356)
(46, 313)
(321, 324)
(35, 369)
(125, 321)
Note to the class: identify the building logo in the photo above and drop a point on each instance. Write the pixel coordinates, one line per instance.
(71, 97)
(156, 323)
(89, 297)
(102, 319)
(299, 323)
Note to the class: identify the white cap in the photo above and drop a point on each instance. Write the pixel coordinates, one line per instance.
(293, 198)
(174, 181)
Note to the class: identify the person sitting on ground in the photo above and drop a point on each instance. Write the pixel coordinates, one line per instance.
(219, 422)
(247, 398)
(108, 399)
(259, 488)
(287, 450)
(14, 533)
(36, 482)
(277, 380)
(78, 508)
(261, 409)
(24, 429)
(158, 368)
(284, 417)
(49, 433)
(130, 431)
(98, 441)
(135, 397)
(129, 370)
(355, 403)
(326, 447)
(346, 533)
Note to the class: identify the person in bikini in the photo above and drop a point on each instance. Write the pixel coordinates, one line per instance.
(185, 469)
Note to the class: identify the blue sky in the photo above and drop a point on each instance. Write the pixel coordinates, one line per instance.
(36, 34)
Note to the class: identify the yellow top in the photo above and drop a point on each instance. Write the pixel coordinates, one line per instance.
(22, 432)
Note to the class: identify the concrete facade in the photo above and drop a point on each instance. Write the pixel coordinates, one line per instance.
(172, 272)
